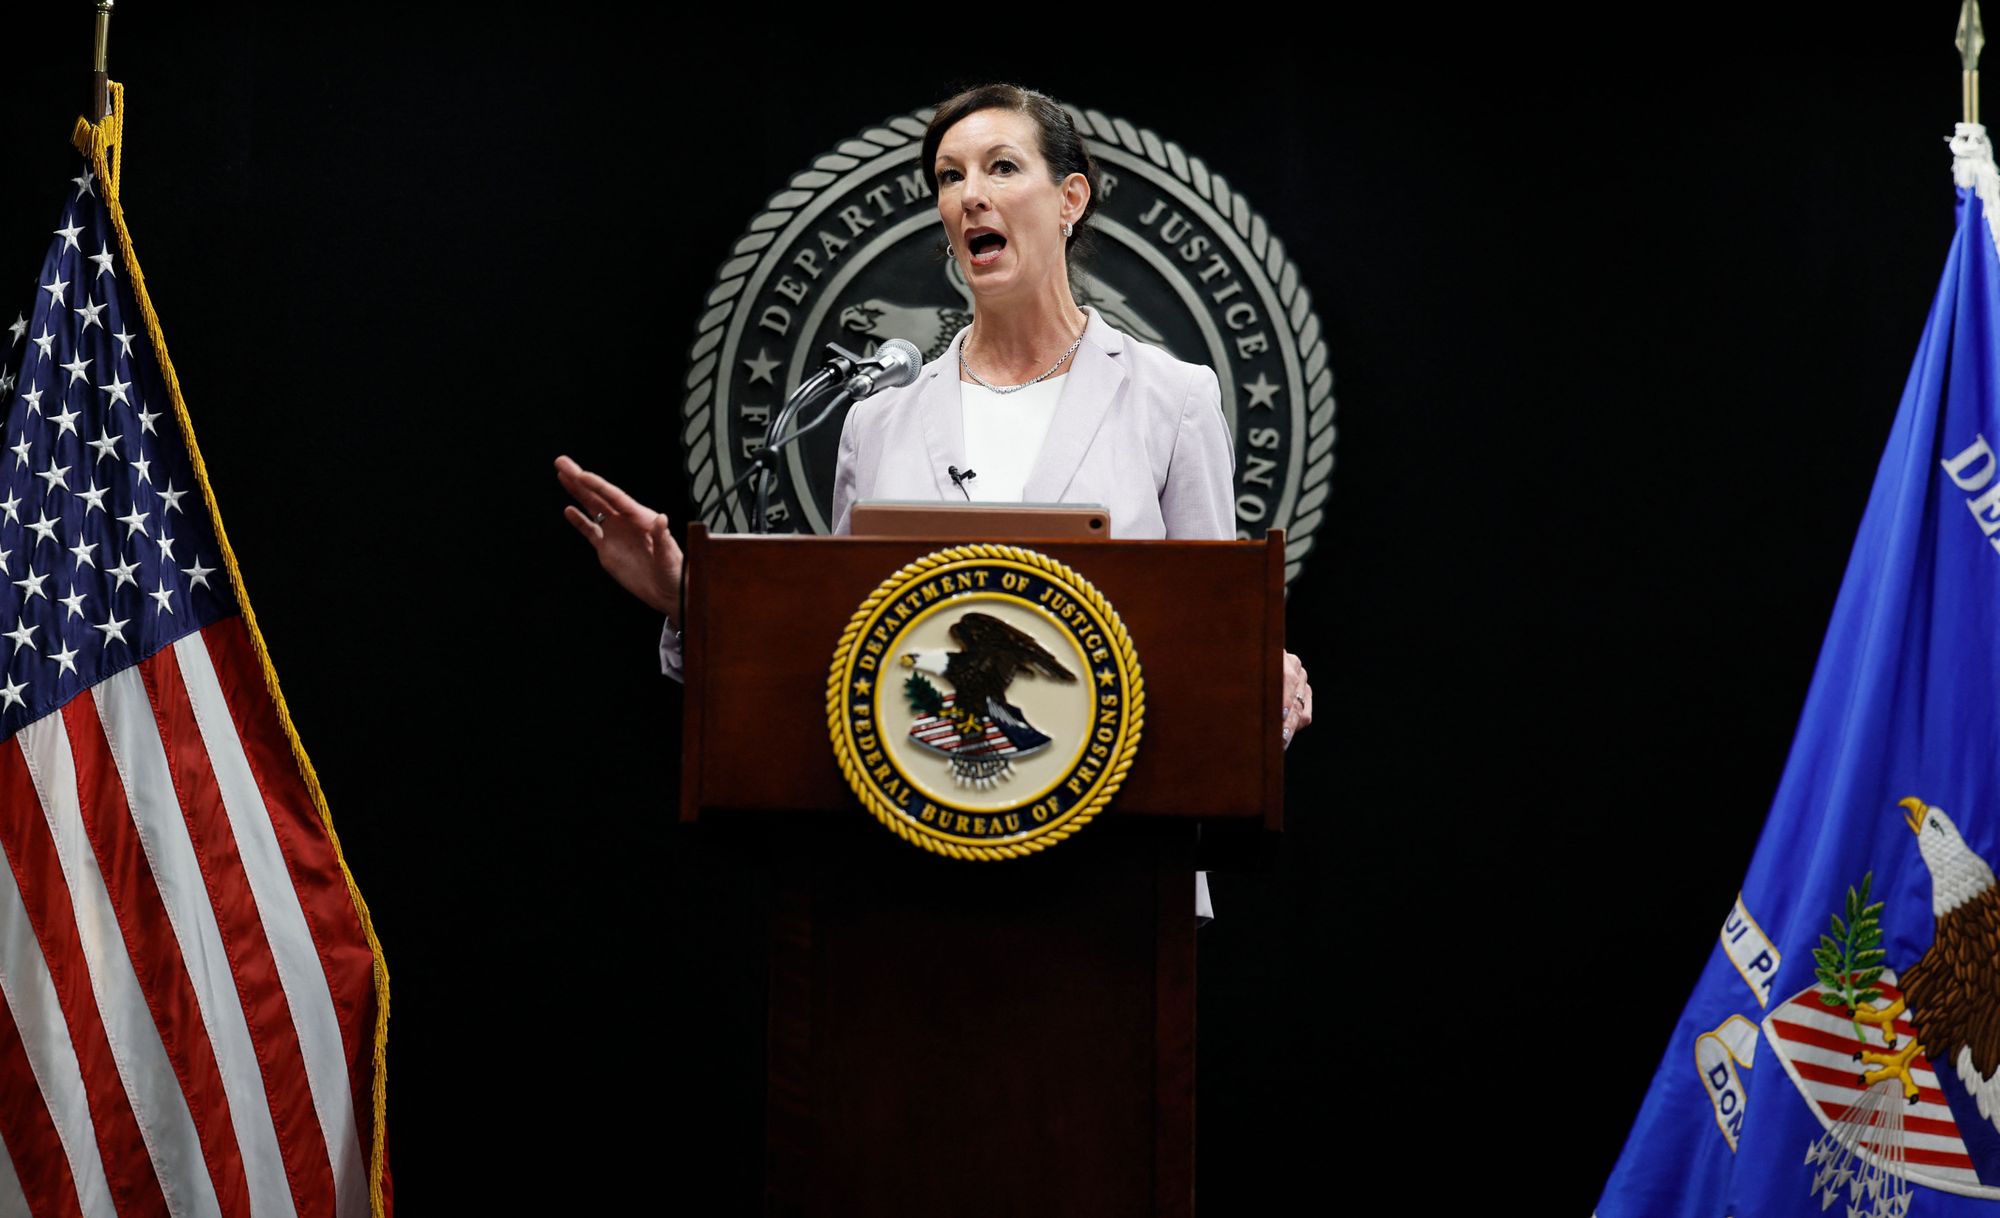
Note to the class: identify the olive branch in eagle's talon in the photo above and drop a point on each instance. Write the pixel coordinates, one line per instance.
(925, 700)
(924, 697)
(1850, 963)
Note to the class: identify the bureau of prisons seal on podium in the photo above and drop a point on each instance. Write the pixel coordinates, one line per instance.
(985, 702)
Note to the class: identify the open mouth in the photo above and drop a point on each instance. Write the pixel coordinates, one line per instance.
(985, 247)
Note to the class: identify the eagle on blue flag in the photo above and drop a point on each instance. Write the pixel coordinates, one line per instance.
(1841, 1052)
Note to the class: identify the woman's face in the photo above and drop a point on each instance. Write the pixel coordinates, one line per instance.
(1001, 212)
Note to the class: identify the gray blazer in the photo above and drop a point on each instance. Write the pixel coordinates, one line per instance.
(1135, 430)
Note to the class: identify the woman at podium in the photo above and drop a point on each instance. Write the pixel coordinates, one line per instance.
(1038, 400)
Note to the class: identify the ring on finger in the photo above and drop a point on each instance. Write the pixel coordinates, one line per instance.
(598, 518)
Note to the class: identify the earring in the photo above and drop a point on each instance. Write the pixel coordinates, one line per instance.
(947, 250)
(1068, 228)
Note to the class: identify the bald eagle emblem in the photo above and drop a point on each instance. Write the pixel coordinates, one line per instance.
(1918, 1099)
(975, 726)
(1952, 992)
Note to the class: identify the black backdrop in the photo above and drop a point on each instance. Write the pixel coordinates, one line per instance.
(1618, 334)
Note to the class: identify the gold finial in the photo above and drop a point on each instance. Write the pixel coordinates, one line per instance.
(100, 65)
(1971, 38)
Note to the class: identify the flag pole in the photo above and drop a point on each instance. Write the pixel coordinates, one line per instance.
(100, 75)
(1971, 38)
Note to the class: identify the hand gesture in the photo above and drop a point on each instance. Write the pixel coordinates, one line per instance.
(632, 540)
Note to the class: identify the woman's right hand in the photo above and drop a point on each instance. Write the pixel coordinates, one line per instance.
(632, 540)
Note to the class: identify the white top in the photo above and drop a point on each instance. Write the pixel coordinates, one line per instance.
(1004, 434)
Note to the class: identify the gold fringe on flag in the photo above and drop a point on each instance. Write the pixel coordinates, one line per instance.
(104, 144)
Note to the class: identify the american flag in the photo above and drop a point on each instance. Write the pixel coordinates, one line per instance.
(189, 1023)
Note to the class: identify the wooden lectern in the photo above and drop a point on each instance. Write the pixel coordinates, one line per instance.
(972, 1038)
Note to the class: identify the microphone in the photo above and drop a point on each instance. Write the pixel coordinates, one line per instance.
(894, 363)
(846, 377)
(959, 477)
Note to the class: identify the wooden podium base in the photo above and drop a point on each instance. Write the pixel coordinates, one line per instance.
(982, 1038)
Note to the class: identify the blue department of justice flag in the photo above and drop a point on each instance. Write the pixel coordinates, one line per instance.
(1841, 1053)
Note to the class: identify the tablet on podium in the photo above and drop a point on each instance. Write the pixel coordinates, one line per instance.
(980, 521)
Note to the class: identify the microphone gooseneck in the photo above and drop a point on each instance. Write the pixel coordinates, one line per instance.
(842, 378)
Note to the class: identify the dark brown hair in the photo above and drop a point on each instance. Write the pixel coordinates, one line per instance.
(1061, 146)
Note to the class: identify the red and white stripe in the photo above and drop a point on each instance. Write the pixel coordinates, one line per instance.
(940, 733)
(1816, 1044)
(189, 998)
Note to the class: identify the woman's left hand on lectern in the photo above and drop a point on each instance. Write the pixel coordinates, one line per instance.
(1298, 698)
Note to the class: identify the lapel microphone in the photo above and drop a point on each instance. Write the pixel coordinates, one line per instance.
(959, 477)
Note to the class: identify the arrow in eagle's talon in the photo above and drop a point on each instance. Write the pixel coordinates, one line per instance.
(1895, 1066)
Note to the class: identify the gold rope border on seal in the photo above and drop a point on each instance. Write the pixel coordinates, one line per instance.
(1128, 660)
(104, 144)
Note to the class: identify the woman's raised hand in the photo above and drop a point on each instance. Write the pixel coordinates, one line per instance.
(632, 540)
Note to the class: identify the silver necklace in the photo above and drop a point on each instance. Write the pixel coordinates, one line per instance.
(977, 380)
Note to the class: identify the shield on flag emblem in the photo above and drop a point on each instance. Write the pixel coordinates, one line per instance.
(1883, 1135)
